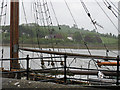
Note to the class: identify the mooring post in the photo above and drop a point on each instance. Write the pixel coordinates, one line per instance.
(27, 67)
(65, 66)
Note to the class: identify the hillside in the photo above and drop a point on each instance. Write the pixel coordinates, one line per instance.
(63, 35)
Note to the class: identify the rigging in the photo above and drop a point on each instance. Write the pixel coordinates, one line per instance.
(111, 9)
(106, 15)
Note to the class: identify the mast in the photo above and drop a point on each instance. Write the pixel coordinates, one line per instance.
(14, 34)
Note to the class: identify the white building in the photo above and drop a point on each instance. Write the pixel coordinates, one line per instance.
(70, 38)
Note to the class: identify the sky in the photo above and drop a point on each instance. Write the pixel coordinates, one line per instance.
(64, 17)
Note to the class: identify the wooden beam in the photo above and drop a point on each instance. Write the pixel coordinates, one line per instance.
(68, 54)
(77, 72)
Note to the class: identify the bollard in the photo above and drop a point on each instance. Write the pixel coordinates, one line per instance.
(65, 66)
(27, 67)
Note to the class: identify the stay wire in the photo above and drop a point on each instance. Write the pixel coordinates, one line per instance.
(77, 25)
(110, 8)
(115, 6)
(70, 13)
(88, 13)
(1, 11)
(55, 15)
(107, 15)
(24, 12)
(94, 23)
(5, 13)
(2, 8)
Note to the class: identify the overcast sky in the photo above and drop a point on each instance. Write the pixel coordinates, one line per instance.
(64, 17)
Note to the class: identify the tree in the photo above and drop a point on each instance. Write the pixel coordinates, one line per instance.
(77, 37)
(92, 39)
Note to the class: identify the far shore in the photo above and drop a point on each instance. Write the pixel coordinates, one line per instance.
(100, 47)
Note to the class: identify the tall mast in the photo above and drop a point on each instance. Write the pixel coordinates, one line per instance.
(14, 34)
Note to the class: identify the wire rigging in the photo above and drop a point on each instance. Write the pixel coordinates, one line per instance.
(45, 14)
(115, 6)
(77, 26)
(88, 13)
(70, 13)
(5, 13)
(107, 4)
(3, 18)
(107, 50)
(94, 23)
(24, 12)
(55, 15)
(2, 6)
(106, 15)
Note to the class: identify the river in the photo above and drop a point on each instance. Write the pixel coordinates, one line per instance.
(36, 64)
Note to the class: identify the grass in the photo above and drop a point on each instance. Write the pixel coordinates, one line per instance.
(108, 40)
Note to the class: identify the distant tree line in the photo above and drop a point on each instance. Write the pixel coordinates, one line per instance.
(32, 33)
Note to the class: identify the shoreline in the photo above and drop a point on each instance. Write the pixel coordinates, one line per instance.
(94, 47)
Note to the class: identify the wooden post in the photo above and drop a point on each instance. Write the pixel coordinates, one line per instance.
(27, 67)
(65, 66)
(14, 34)
(117, 82)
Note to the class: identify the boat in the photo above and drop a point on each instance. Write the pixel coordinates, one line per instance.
(34, 74)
